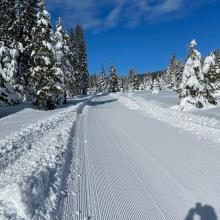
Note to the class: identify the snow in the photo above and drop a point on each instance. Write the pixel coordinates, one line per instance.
(32, 161)
(132, 166)
(192, 85)
(201, 126)
(118, 156)
(209, 60)
(193, 43)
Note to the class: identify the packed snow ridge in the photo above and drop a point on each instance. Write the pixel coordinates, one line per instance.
(201, 126)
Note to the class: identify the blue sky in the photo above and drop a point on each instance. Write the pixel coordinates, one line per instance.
(140, 33)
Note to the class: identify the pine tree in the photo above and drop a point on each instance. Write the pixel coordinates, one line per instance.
(72, 59)
(93, 82)
(63, 57)
(113, 80)
(133, 79)
(146, 82)
(102, 82)
(10, 52)
(215, 71)
(8, 69)
(192, 86)
(81, 64)
(8, 22)
(209, 79)
(122, 84)
(44, 78)
(174, 73)
(161, 81)
(155, 85)
(27, 19)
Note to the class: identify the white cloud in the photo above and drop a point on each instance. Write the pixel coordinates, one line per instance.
(128, 13)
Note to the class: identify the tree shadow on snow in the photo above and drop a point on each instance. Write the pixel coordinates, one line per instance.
(95, 103)
(203, 212)
(9, 110)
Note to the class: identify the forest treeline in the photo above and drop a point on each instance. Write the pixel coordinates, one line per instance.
(37, 64)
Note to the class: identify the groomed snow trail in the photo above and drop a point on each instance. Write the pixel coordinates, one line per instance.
(129, 166)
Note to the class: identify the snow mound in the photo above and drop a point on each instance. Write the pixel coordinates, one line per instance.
(14, 145)
(201, 126)
(32, 178)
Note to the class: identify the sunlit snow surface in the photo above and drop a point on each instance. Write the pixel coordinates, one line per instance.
(112, 157)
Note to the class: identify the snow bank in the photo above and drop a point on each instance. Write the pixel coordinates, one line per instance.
(32, 178)
(201, 126)
(12, 146)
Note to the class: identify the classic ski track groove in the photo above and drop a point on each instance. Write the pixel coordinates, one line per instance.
(113, 183)
(133, 169)
(154, 141)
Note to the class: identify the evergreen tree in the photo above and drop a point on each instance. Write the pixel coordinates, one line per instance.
(81, 63)
(72, 59)
(146, 82)
(192, 86)
(123, 84)
(113, 80)
(93, 82)
(10, 51)
(161, 81)
(209, 79)
(45, 78)
(8, 22)
(102, 81)
(133, 79)
(27, 19)
(215, 71)
(8, 69)
(174, 73)
(63, 57)
(155, 85)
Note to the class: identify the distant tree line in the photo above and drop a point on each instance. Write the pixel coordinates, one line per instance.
(36, 64)
(196, 80)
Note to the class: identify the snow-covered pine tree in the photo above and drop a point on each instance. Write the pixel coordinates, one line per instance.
(72, 59)
(170, 75)
(102, 81)
(27, 10)
(161, 81)
(146, 82)
(8, 22)
(69, 68)
(155, 85)
(62, 58)
(209, 79)
(174, 73)
(82, 66)
(113, 79)
(192, 86)
(122, 84)
(45, 77)
(93, 83)
(215, 71)
(9, 52)
(8, 70)
(133, 79)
